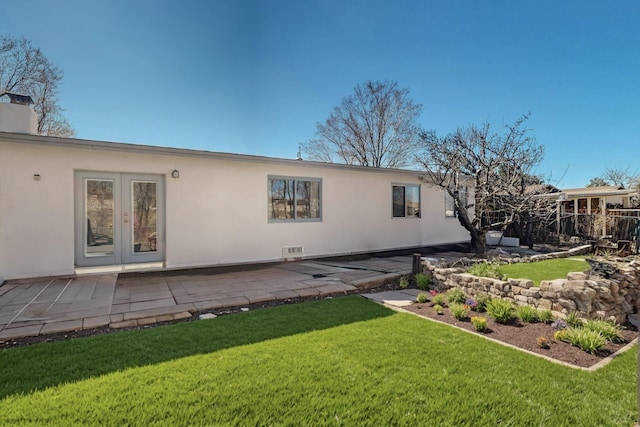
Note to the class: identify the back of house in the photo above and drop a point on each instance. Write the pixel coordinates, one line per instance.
(73, 205)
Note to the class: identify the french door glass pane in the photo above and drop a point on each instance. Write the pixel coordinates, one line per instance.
(144, 222)
(99, 215)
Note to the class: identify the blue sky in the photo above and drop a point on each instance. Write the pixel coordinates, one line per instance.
(254, 77)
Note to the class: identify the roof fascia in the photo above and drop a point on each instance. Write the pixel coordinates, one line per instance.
(187, 152)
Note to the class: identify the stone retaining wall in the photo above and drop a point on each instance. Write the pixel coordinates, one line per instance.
(584, 292)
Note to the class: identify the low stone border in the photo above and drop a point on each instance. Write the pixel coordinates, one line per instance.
(590, 295)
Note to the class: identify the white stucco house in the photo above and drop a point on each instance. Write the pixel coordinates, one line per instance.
(70, 205)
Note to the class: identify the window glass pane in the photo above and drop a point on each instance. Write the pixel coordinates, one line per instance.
(281, 199)
(449, 206)
(413, 200)
(307, 199)
(144, 216)
(398, 201)
(99, 211)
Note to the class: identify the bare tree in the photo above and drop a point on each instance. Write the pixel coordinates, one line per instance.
(621, 177)
(25, 70)
(375, 126)
(617, 177)
(496, 166)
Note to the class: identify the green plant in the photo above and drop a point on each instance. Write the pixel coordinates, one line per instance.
(482, 300)
(527, 314)
(456, 296)
(423, 281)
(501, 310)
(480, 323)
(422, 298)
(573, 320)
(438, 299)
(561, 335)
(586, 339)
(486, 269)
(458, 310)
(545, 316)
(542, 342)
(404, 282)
(438, 308)
(610, 331)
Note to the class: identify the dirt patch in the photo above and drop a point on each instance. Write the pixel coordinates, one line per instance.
(525, 335)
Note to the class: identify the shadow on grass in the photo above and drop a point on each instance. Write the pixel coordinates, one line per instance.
(26, 369)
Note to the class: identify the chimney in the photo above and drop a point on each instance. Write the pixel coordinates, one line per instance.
(16, 115)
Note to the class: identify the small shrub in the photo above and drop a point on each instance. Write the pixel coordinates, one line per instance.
(459, 311)
(586, 339)
(486, 269)
(482, 300)
(404, 282)
(422, 298)
(501, 310)
(545, 316)
(559, 324)
(455, 296)
(527, 314)
(438, 299)
(423, 281)
(480, 323)
(561, 335)
(573, 320)
(438, 309)
(473, 304)
(542, 342)
(610, 331)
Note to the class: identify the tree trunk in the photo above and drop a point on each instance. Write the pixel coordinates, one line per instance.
(478, 236)
(479, 242)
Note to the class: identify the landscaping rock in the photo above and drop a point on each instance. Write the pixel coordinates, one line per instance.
(617, 294)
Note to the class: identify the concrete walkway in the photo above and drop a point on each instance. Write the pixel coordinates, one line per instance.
(46, 306)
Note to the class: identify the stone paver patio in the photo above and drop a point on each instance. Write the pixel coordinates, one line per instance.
(32, 307)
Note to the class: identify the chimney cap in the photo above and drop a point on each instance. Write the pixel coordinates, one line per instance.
(17, 98)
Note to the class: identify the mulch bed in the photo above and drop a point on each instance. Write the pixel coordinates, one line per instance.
(524, 335)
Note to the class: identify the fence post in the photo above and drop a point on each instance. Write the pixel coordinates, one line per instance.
(417, 264)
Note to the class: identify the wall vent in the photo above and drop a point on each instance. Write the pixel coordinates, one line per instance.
(292, 252)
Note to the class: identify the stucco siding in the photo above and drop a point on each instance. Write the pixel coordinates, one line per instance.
(216, 211)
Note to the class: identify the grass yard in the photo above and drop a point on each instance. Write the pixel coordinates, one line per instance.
(544, 270)
(344, 361)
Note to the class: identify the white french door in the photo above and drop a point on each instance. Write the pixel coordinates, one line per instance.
(119, 218)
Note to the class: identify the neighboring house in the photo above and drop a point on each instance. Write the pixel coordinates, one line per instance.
(594, 200)
(71, 205)
(593, 211)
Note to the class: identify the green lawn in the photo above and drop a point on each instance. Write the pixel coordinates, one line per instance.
(344, 361)
(544, 270)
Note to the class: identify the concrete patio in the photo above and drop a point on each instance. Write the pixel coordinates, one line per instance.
(32, 307)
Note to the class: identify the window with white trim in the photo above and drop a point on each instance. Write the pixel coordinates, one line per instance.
(294, 199)
(406, 201)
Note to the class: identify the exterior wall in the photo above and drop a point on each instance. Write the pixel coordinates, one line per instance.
(216, 211)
